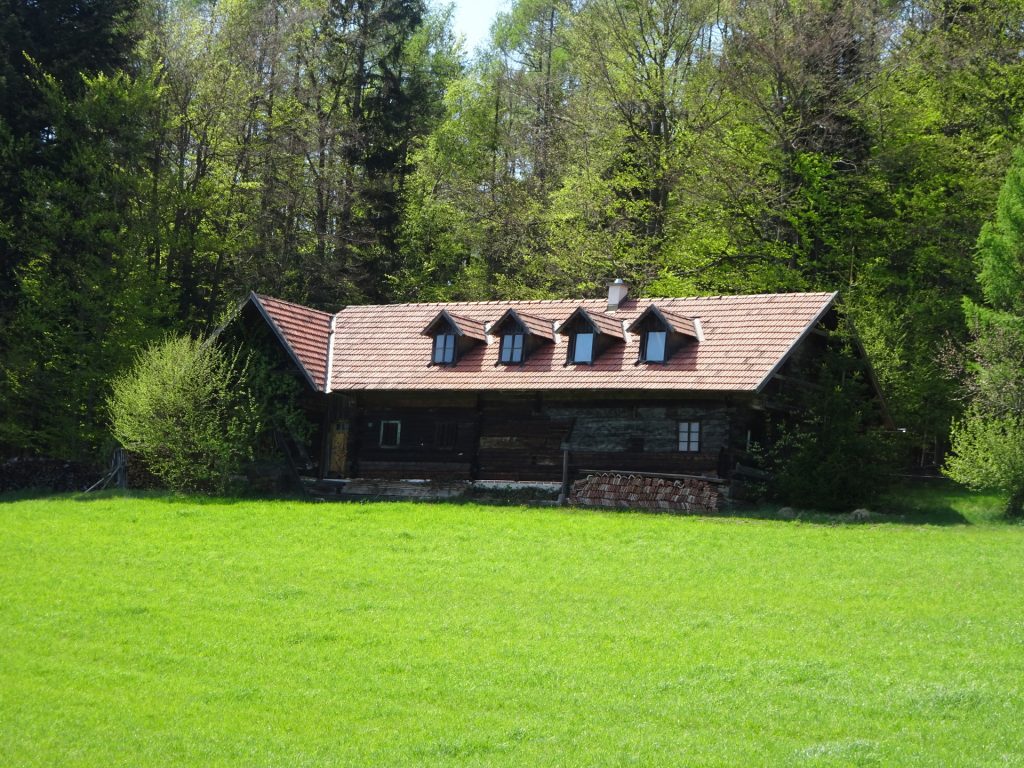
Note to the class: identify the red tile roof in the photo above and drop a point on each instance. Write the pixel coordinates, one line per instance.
(609, 325)
(464, 326)
(306, 333)
(536, 326)
(380, 347)
(676, 323)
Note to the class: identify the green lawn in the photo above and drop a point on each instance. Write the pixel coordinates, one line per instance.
(150, 631)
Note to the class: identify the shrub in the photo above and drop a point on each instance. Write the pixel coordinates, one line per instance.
(830, 464)
(276, 395)
(835, 454)
(185, 407)
(988, 454)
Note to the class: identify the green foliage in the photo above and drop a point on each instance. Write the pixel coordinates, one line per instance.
(275, 397)
(831, 461)
(84, 293)
(988, 445)
(1001, 246)
(159, 160)
(988, 454)
(836, 454)
(186, 408)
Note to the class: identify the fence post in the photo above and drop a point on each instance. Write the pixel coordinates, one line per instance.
(122, 468)
(563, 497)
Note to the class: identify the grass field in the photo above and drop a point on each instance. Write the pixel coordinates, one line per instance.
(159, 632)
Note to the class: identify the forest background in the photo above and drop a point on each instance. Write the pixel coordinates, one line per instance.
(161, 158)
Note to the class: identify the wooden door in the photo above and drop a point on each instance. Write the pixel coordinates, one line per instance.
(339, 449)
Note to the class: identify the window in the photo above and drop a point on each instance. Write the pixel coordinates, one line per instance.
(390, 434)
(583, 348)
(512, 348)
(689, 436)
(444, 348)
(654, 347)
(446, 434)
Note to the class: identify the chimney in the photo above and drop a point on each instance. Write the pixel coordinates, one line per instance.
(617, 290)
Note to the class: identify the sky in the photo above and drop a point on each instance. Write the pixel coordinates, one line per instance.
(473, 19)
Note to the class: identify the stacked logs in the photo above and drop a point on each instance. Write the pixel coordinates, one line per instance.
(637, 492)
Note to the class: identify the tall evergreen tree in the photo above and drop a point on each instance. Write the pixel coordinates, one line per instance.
(63, 39)
(988, 445)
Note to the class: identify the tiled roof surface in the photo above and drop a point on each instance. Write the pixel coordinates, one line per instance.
(676, 323)
(445, 321)
(537, 326)
(474, 328)
(680, 323)
(610, 325)
(380, 347)
(306, 331)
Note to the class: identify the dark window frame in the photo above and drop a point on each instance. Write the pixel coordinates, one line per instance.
(512, 336)
(446, 435)
(593, 347)
(644, 356)
(446, 350)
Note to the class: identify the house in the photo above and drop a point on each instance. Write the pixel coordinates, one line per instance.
(530, 390)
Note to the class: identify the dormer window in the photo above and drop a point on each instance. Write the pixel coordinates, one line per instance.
(654, 347)
(512, 347)
(444, 349)
(520, 334)
(453, 337)
(590, 334)
(662, 333)
(583, 347)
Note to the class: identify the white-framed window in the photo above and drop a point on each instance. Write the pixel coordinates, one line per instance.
(390, 434)
(444, 348)
(689, 436)
(583, 348)
(654, 346)
(512, 347)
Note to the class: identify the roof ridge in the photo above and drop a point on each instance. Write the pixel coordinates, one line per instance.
(512, 302)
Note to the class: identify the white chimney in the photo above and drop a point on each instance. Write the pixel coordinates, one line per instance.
(617, 290)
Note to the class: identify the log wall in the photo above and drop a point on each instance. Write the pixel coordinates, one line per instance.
(522, 436)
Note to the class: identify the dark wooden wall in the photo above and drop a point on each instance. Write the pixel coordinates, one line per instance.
(438, 438)
(513, 436)
(520, 439)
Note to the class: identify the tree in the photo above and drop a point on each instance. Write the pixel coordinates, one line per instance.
(86, 296)
(988, 444)
(185, 407)
(652, 92)
(475, 207)
(65, 39)
(833, 451)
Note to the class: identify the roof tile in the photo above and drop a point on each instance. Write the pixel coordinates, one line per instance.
(380, 347)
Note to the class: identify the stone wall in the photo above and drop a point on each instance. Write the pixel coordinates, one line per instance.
(648, 428)
(690, 495)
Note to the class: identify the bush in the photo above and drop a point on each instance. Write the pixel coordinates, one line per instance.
(186, 409)
(988, 454)
(836, 455)
(830, 464)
